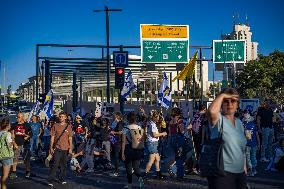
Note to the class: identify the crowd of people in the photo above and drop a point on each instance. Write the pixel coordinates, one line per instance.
(91, 143)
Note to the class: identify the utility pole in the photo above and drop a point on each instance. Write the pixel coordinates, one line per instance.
(225, 72)
(2, 100)
(37, 68)
(214, 93)
(107, 11)
(201, 75)
(4, 83)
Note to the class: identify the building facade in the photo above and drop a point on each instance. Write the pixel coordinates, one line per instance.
(27, 91)
(242, 32)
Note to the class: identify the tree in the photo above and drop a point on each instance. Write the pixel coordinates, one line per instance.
(263, 78)
(9, 89)
(214, 87)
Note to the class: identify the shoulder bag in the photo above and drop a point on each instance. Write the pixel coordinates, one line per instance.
(49, 157)
(211, 163)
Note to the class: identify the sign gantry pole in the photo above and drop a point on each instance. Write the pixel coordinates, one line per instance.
(107, 11)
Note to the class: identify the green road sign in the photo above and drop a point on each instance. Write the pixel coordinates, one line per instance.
(224, 84)
(164, 51)
(229, 51)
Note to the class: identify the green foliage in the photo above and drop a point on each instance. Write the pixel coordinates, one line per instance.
(263, 78)
(216, 87)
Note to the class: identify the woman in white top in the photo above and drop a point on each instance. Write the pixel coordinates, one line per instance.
(152, 142)
(6, 161)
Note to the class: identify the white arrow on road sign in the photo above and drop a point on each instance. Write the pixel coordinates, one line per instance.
(239, 57)
(219, 56)
(179, 56)
(150, 56)
(120, 58)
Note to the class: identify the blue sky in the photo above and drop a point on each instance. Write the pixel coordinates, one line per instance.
(24, 23)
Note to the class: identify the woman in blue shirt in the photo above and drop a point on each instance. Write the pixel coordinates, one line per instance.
(222, 111)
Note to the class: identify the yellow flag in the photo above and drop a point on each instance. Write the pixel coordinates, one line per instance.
(188, 70)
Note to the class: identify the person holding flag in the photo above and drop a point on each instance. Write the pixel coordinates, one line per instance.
(35, 111)
(128, 87)
(164, 95)
(48, 105)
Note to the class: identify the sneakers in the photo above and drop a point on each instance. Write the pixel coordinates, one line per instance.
(89, 170)
(264, 160)
(254, 171)
(13, 175)
(128, 186)
(28, 174)
(146, 176)
(141, 183)
(63, 182)
(50, 183)
(195, 172)
(115, 174)
(159, 175)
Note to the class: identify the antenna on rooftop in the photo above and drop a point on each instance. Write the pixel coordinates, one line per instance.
(247, 21)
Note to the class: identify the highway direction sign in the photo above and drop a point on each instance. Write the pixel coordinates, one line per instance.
(164, 43)
(165, 51)
(229, 51)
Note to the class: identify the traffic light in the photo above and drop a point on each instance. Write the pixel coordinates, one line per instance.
(119, 77)
(42, 97)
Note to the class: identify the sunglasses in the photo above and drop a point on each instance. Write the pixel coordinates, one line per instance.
(232, 101)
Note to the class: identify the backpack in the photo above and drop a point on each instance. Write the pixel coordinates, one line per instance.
(6, 151)
(137, 135)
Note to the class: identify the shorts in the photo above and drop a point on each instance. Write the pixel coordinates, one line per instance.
(17, 153)
(152, 147)
(7, 162)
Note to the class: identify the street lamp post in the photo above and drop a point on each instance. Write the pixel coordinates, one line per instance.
(107, 10)
(4, 83)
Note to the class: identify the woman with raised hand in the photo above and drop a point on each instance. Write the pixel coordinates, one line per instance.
(221, 115)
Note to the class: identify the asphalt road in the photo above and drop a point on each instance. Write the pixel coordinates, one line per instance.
(102, 180)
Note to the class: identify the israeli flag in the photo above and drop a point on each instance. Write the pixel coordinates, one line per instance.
(35, 110)
(164, 95)
(48, 105)
(128, 87)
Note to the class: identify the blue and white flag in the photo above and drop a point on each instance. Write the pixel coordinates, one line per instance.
(164, 95)
(35, 110)
(48, 105)
(128, 87)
